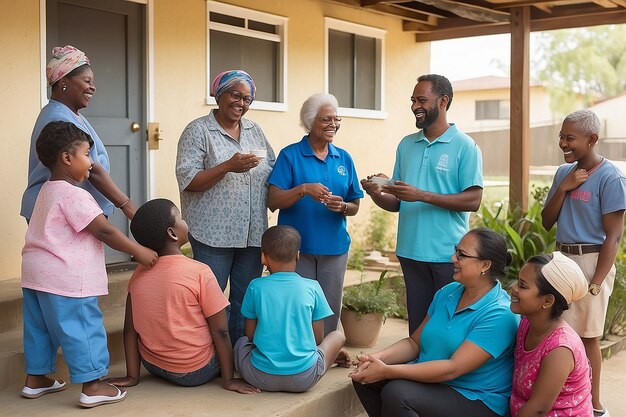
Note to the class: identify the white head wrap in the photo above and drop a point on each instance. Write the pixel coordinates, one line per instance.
(566, 277)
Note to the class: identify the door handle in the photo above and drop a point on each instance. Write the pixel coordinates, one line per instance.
(134, 127)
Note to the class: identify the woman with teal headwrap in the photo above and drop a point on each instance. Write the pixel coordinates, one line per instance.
(222, 167)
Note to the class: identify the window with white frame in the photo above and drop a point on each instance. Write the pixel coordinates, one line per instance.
(355, 67)
(492, 109)
(253, 41)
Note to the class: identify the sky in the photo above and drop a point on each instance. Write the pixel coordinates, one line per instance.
(463, 58)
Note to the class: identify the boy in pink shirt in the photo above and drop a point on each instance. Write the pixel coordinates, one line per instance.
(63, 272)
(176, 322)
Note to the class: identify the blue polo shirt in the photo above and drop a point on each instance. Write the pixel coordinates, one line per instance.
(490, 325)
(323, 231)
(450, 164)
(285, 305)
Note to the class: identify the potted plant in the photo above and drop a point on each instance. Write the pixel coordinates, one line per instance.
(365, 307)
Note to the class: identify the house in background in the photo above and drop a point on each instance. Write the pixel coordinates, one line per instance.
(481, 108)
(483, 104)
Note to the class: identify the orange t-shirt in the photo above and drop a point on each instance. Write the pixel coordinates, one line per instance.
(171, 302)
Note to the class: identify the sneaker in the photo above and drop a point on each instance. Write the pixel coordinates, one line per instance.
(601, 413)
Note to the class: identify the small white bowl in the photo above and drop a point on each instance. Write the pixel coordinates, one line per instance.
(259, 153)
(380, 181)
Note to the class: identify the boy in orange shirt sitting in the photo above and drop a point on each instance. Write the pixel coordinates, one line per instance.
(176, 322)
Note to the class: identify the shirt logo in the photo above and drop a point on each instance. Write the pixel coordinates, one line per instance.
(342, 170)
(580, 195)
(442, 165)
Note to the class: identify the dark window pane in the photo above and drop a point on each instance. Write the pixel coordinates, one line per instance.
(365, 85)
(261, 27)
(492, 109)
(341, 67)
(257, 57)
(227, 20)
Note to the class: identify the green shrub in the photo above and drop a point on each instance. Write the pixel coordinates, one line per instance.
(371, 297)
(380, 233)
(356, 257)
(524, 234)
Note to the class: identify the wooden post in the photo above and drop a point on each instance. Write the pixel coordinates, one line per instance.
(519, 169)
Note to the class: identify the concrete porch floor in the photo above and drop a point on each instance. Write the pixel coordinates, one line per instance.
(333, 396)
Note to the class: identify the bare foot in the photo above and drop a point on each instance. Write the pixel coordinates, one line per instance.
(98, 387)
(343, 359)
(39, 381)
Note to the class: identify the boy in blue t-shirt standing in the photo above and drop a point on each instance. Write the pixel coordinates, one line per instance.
(284, 348)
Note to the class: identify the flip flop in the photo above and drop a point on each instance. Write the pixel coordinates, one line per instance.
(90, 401)
(32, 393)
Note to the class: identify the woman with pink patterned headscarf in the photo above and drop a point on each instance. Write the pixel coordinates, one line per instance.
(222, 167)
(71, 80)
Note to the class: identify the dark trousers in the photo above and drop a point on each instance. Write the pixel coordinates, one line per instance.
(422, 281)
(402, 398)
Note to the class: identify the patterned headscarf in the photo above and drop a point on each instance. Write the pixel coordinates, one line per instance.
(228, 79)
(566, 277)
(64, 60)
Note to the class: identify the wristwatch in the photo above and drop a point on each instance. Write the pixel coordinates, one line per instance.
(594, 289)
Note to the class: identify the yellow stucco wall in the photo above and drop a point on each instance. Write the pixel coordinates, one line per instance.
(19, 106)
(180, 85)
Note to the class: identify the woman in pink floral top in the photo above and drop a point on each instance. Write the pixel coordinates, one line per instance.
(552, 375)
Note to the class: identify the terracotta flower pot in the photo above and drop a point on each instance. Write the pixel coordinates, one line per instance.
(361, 331)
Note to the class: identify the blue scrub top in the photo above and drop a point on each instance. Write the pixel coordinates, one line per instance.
(490, 325)
(323, 231)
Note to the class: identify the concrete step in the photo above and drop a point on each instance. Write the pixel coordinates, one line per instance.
(11, 299)
(333, 396)
(12, 350)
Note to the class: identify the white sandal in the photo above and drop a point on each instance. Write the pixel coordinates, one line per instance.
(32, 393)
(90, 401)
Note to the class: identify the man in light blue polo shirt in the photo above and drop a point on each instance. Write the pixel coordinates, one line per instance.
(437, 181)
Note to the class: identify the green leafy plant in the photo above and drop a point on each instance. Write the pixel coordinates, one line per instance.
(524, 233)
(371, 297)
(380, 234)
(356, 257)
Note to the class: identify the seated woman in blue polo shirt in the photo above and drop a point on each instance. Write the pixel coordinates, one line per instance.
(460, 359)
(315, 187)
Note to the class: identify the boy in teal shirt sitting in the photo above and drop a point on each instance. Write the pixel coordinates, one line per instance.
(284, 348)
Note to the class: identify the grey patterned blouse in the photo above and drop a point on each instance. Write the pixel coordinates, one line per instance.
(233, 213)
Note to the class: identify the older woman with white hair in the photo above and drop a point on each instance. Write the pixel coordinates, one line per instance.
(315, 187)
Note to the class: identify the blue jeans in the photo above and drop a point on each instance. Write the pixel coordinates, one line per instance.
(242, 265)
(188, 379)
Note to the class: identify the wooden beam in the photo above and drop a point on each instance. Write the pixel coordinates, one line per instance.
(621, 3)
(425, 8)
(369, 3)
(463, 32)
(405, 14)
(519, 168)
(535, 3)
(469, 11)
(615, 16)
(605, 3)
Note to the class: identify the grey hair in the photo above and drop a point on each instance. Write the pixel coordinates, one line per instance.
(585, 120)
(312, 106)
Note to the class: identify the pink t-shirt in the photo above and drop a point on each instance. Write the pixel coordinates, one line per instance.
(575, 396)
(60, 256)
(171, 302)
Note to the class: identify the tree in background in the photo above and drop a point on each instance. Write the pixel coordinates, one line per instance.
(587, 63)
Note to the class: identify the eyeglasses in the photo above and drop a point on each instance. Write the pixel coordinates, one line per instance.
(236, 96)
(329, 120)
(460, 255)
